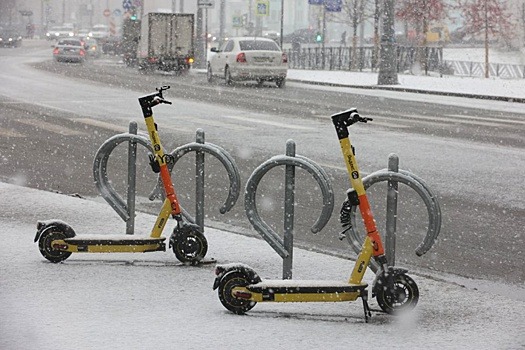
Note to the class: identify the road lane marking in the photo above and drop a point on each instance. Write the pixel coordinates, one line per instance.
(100, 124)
(212, 122)
(498, 120)
(10, 133)
(124, 129)
(267, 122)
(444, 119)
(57, 129)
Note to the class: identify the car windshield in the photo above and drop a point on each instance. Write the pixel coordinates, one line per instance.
(70, 42)
(264, 45)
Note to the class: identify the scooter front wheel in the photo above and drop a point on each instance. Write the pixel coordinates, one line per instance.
(189, 244)
(46, 249)
(404, 297)
(226, 285)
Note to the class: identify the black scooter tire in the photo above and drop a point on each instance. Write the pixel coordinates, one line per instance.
(189, 244)
(405, 297)
(228, 282)
(44, 244)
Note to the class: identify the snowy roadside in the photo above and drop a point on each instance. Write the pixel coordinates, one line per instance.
(126, 301)
(447, 85)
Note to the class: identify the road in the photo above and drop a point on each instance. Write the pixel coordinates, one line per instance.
(55, 116)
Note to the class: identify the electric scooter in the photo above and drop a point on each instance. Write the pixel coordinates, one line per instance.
(57, 240)
(240, 288)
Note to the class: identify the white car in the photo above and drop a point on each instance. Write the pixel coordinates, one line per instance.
(99, 31)
(248, 58)
(59, 32)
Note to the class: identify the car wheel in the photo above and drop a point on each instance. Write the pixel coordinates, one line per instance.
(209, 74)
(280, 82)
(228, 76)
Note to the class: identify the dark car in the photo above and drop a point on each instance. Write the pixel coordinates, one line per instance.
(301, 36)
(69, 50)
(10, 38)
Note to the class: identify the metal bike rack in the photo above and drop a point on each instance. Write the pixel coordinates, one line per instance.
(284, 247)
(393, 176)
(126, 209)
(200, 147)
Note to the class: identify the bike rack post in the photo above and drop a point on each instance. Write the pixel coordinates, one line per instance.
(391, 212)
(199, 181)
(289, 211)
(284, 247)
(132, 179)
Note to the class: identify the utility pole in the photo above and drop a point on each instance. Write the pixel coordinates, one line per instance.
(388, 56)
(282, 22)
(486, 40)
(323, 62)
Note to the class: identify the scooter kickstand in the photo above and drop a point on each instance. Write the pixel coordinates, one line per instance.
(366, 308)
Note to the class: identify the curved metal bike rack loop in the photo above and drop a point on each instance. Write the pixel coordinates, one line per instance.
(100, 163)
(284, 247)
(227, 161)
(420, 187)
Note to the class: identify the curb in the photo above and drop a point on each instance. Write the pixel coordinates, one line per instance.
(417, 91)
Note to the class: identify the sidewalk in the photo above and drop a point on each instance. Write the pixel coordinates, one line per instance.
(489, 89)
(149, 301)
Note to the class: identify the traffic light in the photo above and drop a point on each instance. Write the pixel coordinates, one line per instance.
(318, 37)
(133, 17)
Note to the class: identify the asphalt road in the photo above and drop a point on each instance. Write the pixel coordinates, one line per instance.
(53, 118)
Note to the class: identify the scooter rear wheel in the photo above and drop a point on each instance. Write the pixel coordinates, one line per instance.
(44, 244)
(189, 244)
(405, 296)
(226, 285)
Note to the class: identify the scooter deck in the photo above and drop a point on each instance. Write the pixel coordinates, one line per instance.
(305, 291)
(110, 244)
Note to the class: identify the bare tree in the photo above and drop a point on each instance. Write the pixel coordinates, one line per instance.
(420, 13)
(354, 13)
(487, 17)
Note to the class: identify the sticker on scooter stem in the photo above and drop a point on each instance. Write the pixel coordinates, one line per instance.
(355, 175)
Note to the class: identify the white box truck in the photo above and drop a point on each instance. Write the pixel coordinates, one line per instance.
(166, 41)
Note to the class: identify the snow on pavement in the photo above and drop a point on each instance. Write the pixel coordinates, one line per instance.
(451, 84)
(149, 301)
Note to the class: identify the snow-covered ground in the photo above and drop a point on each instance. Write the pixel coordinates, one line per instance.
(149, 301)
(477, 54)
(450, 84)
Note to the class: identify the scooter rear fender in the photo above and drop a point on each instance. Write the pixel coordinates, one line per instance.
(43, 226)
(223, 270)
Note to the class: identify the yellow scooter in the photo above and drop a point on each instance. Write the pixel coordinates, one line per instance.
(57, 240)
(240, 288)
